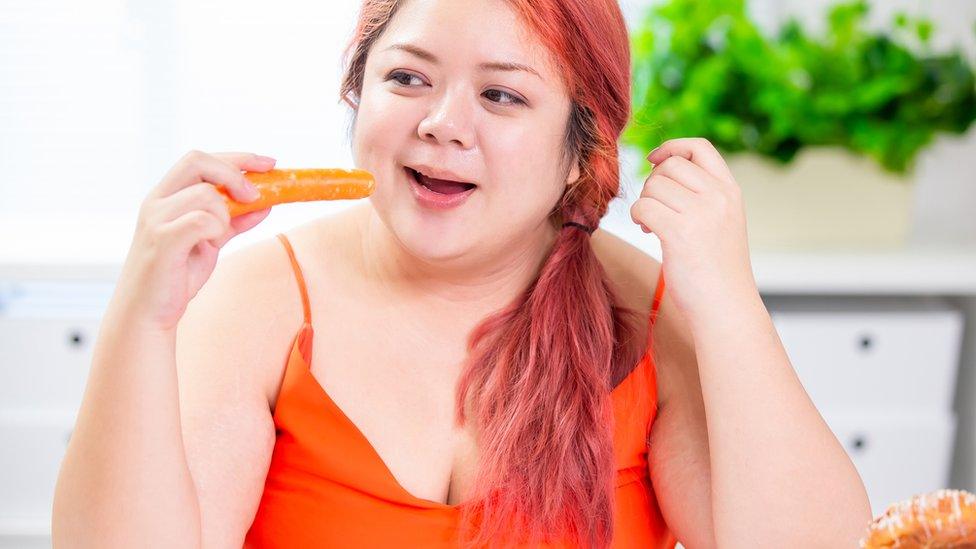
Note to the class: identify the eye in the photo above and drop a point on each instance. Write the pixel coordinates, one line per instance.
(498, 96)
(404, 78)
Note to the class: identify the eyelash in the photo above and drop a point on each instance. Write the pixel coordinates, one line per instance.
(513, 99)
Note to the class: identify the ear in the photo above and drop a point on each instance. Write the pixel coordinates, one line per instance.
(574, 172)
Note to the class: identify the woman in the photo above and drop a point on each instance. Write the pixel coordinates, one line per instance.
(483, 368)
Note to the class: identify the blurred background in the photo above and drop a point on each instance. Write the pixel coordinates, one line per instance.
(847, 125)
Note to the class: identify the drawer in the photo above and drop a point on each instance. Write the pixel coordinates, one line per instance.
(44, 362)
(899, 353)
(898, 455)
(47, 335)
(33, 445)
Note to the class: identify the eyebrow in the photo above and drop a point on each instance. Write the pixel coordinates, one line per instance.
(507, 66)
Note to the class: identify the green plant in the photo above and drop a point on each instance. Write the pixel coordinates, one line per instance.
(703, 68)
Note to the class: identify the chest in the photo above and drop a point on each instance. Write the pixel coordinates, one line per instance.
(393, 374)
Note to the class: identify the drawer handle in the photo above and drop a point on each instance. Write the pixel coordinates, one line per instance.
(859, 443)
(76, 338)
(866, 342)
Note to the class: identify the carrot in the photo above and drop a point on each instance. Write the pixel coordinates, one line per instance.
(302, 185)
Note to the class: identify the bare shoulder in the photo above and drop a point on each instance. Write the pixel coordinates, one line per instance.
(632, 273)
(255, 297)
(248, 312)
(678, 455)
(231, 347)
(635, 275)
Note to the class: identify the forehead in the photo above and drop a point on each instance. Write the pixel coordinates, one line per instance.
(468, 32)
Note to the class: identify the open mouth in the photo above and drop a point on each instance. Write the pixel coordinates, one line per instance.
(440, 186)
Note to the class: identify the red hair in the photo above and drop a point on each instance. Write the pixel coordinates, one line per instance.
(539, 372)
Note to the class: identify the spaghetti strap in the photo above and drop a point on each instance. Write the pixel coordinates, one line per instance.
(658, 295)
(321, 451)
(298, 276)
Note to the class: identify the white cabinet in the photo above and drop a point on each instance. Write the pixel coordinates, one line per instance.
(898, 454)
(47, 333)
(882, 372)
(45, 360)
(34, 443)
(865, 353)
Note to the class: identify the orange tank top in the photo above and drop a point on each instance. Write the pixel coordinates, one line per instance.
(328, 487)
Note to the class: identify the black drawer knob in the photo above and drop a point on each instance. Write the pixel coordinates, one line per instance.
(866, 342)
(76, 338)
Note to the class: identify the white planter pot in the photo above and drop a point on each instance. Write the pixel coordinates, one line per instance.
(827, 198)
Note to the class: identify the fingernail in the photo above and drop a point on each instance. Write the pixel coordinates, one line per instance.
(252, 192)
(266, 159)
(650, 154)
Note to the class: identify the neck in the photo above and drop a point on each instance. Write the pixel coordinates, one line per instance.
(475, 285)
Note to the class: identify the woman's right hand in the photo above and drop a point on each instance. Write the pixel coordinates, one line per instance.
(183, 222)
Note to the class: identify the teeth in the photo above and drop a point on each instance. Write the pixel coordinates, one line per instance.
(420, 177)
(425, 181)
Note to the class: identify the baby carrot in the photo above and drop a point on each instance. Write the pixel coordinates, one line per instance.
(279, 186)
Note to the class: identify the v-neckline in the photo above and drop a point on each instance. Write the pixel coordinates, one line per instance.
(358, 433)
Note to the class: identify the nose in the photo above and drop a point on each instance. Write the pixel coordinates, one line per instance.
(448, 122)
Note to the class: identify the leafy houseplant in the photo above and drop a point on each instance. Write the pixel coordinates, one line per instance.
(703, 68)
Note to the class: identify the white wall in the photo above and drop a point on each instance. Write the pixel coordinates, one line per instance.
(98, 99)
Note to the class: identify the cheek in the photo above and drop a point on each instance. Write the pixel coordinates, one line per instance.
(367, 135)
(382, 135)
(383, 123)
(529, 168)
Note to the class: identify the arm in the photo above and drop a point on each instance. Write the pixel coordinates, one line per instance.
(230, 351)
(778, 476)
(126, 478)
(201, 392)
(124, 481)
(678, 455)
(761, 470)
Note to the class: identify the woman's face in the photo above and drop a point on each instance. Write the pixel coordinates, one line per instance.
(459, 90)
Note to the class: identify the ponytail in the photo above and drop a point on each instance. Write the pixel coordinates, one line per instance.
(542, 370)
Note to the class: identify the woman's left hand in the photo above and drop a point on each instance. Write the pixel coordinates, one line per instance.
(694, 206)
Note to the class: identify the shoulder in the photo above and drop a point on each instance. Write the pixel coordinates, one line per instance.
(247, 313)
(231, 348)
(257, 295)
(634, 274)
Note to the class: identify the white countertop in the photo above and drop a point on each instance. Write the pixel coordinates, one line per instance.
(96, 250)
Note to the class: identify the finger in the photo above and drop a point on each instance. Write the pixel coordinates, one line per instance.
(687, 173)
(188, 230)
(654, 215)
(201, 196)
(697, 150)
(243, 223)
(245, 161)
(673, 194)
(196, 167)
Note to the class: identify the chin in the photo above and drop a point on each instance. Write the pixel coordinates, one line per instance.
(432, 239)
